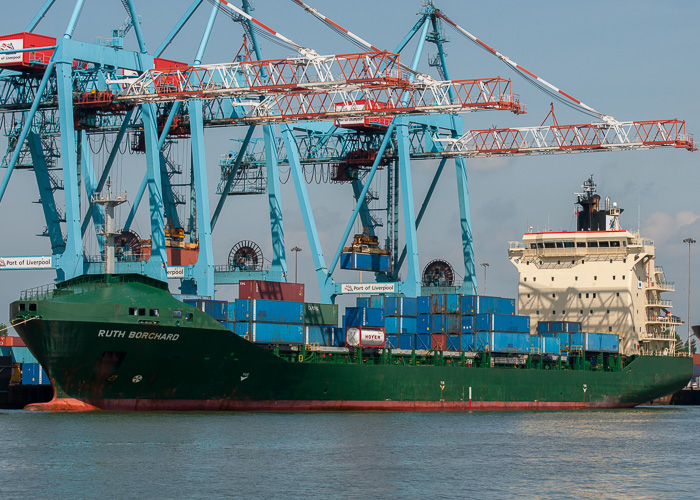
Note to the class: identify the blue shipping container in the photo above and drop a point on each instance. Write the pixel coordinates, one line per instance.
(595, 342)
(270, 311)
(438, 304)
(467, 342)
(364, 316)
(321, 335)
(271, 333)
(562, 336)
(422, 341)
(468, 324)
(362, 302)
(544, 345)
(398, 325)
(217, 309)
(407, 341)
(391, 325)
(393, 306)
(502, 323)
(453, 303)
(558, 326)
(231, 310)
(423, 323)
(409, 324)
(400, 306)
(339, 335)
(578, 340)
(437, 323)
(609, 342)
(377, 301)
(364, 261)
(228, 324)
(454, 342)
(34, 374)
(392, 341)
(423, 305)
(566, 326)
(453, 323)
(503, 342)
(480, 304)
(409, 307)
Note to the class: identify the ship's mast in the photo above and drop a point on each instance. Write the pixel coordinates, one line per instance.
(108, 231)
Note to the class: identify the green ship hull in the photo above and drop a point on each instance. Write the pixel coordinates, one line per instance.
(101, 354)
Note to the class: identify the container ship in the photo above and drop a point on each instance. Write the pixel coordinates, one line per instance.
(124, 342)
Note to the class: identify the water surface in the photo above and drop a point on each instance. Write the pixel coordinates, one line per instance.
(638, 453)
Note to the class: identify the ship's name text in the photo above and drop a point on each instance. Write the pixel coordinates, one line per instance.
(122, 334)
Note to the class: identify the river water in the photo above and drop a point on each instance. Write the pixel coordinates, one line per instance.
(647, 452)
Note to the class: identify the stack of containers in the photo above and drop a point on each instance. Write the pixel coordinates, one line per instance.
(270, 321)
(423, 320)
(400, 322)
(445, 321)
(561, 330)
(359, 319)
(494, 324)
(321, 324)
(544, 345)
(471, 306)
(594, 342)
(217, 309)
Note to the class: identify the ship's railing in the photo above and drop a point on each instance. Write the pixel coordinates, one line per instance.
(38, 293)
(85, 283)
(670, 319)
(665, 286)
(659, 303)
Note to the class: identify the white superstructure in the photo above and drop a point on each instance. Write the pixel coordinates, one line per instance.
(606, 279)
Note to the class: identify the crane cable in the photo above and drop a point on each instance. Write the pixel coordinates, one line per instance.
(357, 40)
(538, 82)
(263, 30)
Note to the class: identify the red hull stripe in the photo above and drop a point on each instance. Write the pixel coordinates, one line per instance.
(313, 405)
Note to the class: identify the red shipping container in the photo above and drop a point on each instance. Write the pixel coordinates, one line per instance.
(9, 341)
(23, 61)
(271, 290)
(438, 341)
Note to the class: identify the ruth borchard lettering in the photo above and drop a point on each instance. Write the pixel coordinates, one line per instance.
(123, 334)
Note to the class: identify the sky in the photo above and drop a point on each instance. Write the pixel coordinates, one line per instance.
(634, 60)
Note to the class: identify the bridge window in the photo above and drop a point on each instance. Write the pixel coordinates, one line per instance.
(580, 244)
(177, 314)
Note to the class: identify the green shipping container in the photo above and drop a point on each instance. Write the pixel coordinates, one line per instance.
(320, 314)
